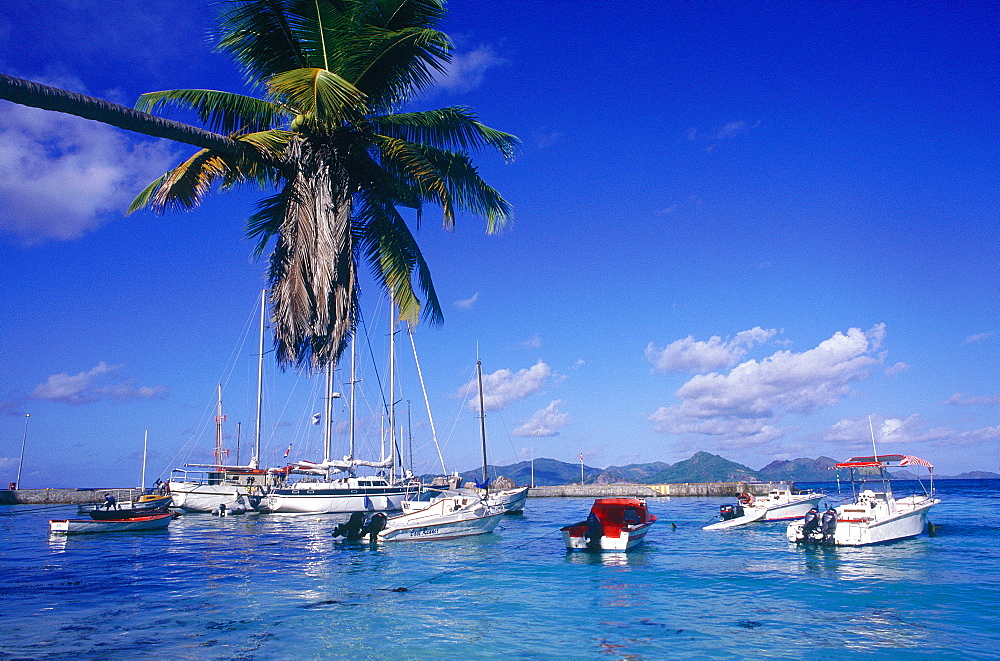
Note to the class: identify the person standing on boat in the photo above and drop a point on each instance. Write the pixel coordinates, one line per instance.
(109, 502)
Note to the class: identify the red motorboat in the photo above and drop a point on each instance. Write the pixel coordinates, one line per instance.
(614, 524)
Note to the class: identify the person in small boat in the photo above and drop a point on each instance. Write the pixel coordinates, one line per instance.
(109, 502)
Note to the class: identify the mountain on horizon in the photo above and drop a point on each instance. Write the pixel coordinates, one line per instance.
(701, 467)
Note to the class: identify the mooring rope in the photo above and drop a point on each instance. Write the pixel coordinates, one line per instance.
(37, 509)
(476, 562)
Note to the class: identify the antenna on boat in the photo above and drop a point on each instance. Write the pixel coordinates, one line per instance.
(871, 428)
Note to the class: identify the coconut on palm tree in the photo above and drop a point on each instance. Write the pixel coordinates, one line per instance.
(328, 135)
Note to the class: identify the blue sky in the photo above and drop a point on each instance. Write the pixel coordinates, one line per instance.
(739, 227)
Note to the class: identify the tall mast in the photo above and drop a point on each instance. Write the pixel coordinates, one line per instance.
(392, 387)
(327, 412)
(142, 476)
(218, 428)
(350, 456)
(255, 460)
(427, 403)
(482, 415)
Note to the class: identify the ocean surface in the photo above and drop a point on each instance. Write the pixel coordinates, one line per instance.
(280, 587)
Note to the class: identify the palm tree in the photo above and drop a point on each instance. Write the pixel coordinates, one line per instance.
(328, 135)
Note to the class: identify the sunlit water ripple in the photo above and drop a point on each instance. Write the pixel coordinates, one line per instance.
(270, 587)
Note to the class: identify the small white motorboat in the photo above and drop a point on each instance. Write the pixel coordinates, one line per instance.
(444, 518)
(777, 505)
(614, 524)
(872, 516)
(507, 501)
(138, 522)
(511, 501)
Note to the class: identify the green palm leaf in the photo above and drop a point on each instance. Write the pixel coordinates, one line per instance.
(222, 112)
(324, 96)
(454, 127)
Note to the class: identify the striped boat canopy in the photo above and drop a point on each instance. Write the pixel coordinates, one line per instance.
(890, 460)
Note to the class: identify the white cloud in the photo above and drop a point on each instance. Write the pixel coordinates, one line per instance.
(102, 382)
(468, 303)
(62, 176)
(745, 405)
(545, 422)
(690, 355)
(897, 435)
(504, 387)
(533, 342)
(896, 369)
(467, 69)
(964, 399)
(978, 337)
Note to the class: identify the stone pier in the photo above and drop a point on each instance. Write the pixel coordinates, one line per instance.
(700, 489)
(64, 496)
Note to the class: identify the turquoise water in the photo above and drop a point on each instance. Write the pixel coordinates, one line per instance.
(269, 587)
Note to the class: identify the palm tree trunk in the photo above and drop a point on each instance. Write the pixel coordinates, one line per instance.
(28, 93)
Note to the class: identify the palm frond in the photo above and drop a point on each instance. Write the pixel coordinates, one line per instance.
(394, 257)
(446, 178)
(266, 221)
(261, 35)
(142, 199)
(222, 112)
(455, 127)
(320, 93)
(390, 66)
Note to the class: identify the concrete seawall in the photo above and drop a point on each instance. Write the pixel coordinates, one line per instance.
(63, 496)
(721, 489)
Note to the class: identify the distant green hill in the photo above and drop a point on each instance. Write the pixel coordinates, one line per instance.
(799, 470)
(701, 467)
(704, 467)
(631, 473)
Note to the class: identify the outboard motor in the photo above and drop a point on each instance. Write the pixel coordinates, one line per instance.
(811, 524)
(375, 525)
(351, 529)
(727, 512)
(829, 525)
(595, 530)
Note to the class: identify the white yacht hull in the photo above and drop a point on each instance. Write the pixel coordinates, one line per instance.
(327, 498)
(443, 519)
(195, 497)
(908, 520)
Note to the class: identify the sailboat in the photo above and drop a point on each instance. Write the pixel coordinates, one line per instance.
(352, 493)
(505, 501)
(509, 501)
(217, 487)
